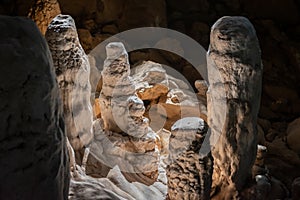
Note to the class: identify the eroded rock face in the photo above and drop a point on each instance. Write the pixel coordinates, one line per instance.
(42, 12)
(34, 162)
(235, 73)
(132, 155)
(123, 136)
(168, 98)
(115, 187)
(72, 70)
(189, 172)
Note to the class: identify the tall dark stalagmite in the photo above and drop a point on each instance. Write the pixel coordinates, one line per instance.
(235, 74)
(33, 160)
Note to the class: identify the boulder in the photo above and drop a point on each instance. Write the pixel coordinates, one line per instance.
(33, 156)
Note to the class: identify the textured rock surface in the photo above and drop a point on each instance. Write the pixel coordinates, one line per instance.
(131, 155)
(34, 163)
(235, 75)
(167, 98)
(72, 71)
(189, 172)
(114, 187)
(42, 12)
(121, 109)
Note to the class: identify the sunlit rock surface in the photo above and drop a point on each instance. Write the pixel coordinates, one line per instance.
(42, 12)
(72, 73)
(121, 109)
(33, 159)
(235, 75)
(122, 135)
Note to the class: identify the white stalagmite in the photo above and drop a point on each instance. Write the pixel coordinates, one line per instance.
(72, 70)
(235, 75)
(121, 109)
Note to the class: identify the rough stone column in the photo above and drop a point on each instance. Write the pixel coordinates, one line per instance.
(235, 75)
(126, 138)
(121, 109)
(72, 70)
(33, 158)
(189, 173)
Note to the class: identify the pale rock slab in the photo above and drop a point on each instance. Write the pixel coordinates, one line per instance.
(72, 70)
(33, 156)
(235, 76)
(189, 170)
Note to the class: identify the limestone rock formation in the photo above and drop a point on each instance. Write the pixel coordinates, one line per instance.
(114, 187)
(123, 137)
(72, 70)
(189, 172)
(42, 12)
(167, 98)
(235, 75)
(121, 109)
(34, 162)
(132, 155)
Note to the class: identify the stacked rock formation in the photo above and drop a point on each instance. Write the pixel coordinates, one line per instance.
(125, 139)
(235, 74)
(121, 109)
(189, 172)
(34, 162)
(72, 71)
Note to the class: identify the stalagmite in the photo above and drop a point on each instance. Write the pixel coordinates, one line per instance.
(125, 138)
(72, 70)
(235, 74)
(189, 172)
(121, 109)
(33, 157)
